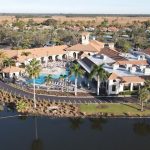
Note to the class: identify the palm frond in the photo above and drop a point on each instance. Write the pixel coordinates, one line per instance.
(76, 70)
(34, 68)
(99, 71)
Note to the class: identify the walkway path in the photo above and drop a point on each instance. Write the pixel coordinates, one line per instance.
(74, 100)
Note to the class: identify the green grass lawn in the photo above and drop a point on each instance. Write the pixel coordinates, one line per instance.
(115, 109)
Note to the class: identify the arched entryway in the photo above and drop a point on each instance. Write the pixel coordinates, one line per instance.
(64, 56)
(42, 60)
(50, 58)
(80, 54)
(22, 65)
(57, 57)
(74, 55)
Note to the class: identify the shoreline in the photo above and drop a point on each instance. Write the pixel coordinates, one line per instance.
(73, 117)
(78, 115)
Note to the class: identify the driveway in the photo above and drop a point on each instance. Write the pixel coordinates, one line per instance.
(74, 100)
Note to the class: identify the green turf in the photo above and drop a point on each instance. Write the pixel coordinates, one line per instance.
(116, 109)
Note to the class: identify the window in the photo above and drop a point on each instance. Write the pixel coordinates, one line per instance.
(114, 88)
(136, 87)
(121, 66)
(126, 87)
(142, 57)
(106, 45)
(114, 81)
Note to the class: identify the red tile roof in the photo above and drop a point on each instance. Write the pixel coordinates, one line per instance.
(115, 55)
(113, 76)
(85, 33)
(36, 52)
(126, 79)
(132, 79)
(12, 69)
(93, 46)
(147, 51)
(133, 62)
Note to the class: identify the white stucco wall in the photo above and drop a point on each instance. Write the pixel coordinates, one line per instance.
(119, 87)
(12, 74)
(110, 84)
(115, 66)
(70, 54)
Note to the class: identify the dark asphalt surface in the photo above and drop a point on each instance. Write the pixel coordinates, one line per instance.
(74, 100)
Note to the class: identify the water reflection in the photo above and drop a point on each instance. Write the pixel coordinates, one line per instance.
(75, 123)
(43, 133)
(11, 107)
(23, 117)
(37, 143)
(141, 128)
(96, 123)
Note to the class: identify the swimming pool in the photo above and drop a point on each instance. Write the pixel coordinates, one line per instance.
(41, 78)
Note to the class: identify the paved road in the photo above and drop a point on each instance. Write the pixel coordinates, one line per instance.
(74, 100)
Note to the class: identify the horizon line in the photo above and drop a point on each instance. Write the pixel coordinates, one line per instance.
(43, 13)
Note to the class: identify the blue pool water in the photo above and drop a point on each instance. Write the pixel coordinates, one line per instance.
(41, 78)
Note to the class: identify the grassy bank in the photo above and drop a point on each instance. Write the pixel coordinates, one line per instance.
(114, 109)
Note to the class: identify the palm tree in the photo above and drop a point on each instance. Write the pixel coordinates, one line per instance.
(100, 73)
(62, 78)
(143, 96)
(48, 79)
(141, 128)
(77, 72)
(9, 62)
(2, 58)
(147, 84)
(33, 70)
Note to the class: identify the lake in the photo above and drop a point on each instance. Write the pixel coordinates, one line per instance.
(20, 133)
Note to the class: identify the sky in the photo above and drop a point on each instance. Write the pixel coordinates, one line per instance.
(76, 6)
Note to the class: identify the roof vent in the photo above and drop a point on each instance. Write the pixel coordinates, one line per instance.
(141, 57)
(147, 71)
(132, 69)
(103, 57)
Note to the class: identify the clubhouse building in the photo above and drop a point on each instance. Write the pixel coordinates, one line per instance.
(128, 71)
